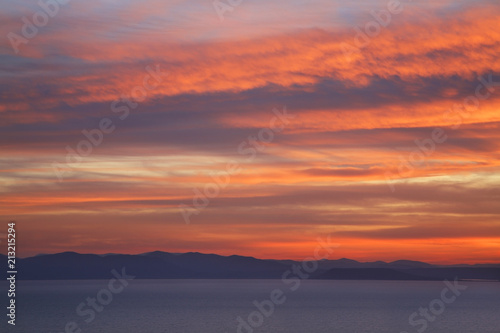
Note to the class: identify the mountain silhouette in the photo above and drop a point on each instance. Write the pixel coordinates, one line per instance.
(194, 265)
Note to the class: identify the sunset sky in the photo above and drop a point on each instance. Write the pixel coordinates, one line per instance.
(346, 162)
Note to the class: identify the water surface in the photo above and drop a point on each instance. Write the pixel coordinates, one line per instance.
(213, 306)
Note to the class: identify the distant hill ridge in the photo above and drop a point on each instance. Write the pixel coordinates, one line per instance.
(194, 265)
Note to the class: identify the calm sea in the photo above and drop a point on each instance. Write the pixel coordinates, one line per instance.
(213, 306)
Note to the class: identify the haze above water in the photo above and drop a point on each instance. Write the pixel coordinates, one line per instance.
(213, 306)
